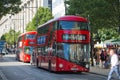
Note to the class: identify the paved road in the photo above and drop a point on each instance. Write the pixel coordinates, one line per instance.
(10, 69)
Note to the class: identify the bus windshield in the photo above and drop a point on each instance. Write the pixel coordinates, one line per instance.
(74, 52)
(30, 36)
(28, 50)
(73, 25)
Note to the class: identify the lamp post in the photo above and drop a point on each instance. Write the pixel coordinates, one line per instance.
(91, 43)
(23, 20)
(14, 38)
(15, 31)
(37, 14)
(14, 35)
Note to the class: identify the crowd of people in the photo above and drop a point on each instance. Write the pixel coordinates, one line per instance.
(102, 56)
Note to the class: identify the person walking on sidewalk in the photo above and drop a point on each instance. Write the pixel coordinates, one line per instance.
(103, 57)
(114, 64)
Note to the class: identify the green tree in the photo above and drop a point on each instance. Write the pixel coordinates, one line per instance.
(102, 13)
(9, 7)
(105, 34)
(31, 26)
(103, 16)
(3, 37)
(42, 16)
(10, 37)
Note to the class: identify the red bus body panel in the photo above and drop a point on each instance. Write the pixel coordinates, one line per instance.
(26, 42)
(69, 66)
(24, 57)
(56, 62)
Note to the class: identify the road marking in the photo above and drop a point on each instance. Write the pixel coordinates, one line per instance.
(3, 76)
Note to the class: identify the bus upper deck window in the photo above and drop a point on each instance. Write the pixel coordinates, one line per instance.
(73, 25)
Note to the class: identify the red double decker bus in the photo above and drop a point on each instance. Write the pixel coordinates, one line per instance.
(25, 46)
(63, 44)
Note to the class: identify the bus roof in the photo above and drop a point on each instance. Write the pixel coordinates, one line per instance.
(68, 18)
(29, 32)
(73, 18)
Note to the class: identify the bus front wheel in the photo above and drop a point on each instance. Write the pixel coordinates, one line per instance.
(37, 63)
(49, 66)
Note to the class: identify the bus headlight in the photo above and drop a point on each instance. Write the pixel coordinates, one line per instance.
(87, 65)
(27, 58)
(60, 65)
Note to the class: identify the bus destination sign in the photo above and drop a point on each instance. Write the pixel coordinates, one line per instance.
(74, 37)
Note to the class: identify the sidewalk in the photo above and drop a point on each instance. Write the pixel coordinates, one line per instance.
(99, 71)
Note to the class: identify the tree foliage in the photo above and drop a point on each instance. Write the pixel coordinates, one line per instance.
(102, 14)
(42, 16)
(9, 7)
(105, 34)
(10, 37)
(3, 37)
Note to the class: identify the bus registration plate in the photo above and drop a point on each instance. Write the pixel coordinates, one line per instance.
(74, 69)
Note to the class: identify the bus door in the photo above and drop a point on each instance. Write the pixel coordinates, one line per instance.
(52, 47)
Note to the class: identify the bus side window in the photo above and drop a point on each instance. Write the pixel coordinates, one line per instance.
(54, 27)
(43, 52)
(39, 51)
(47, 50)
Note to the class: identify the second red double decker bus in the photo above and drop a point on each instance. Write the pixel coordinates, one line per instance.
(25, 46)
(63, 44)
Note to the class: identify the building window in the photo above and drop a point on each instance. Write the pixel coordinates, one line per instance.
(50, 4)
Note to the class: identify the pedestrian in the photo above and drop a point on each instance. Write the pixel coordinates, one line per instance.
(114, 64)
(103, 57)
(107, 62)
(97, 57)
(118, 51)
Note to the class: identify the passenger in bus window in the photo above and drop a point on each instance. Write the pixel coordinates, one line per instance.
(60, 51)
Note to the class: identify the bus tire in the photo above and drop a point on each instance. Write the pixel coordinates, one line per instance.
(49, 66)
(31, 62)
(37, 63)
